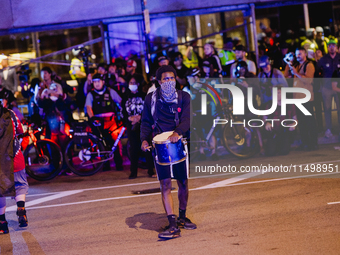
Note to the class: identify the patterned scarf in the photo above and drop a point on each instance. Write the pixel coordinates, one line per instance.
(168, 90)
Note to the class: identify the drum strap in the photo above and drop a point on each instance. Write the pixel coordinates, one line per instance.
(176, 109)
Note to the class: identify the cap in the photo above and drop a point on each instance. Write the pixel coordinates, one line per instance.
(97, 76)
(160, 58)
(194, 72)
(264, 61)
(206, 63)
(332, 41)
(132, 63)
(240, 47)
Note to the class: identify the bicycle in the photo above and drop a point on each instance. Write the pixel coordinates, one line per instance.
(238, 140)
(43, 157)
(86, 153)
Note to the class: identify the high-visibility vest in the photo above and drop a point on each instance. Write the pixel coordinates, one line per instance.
(76, 64)
(226, 57)
(312, 44)
(191, 63)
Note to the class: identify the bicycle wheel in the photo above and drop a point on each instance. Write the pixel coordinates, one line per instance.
(240, 141)
(43, 161)
(85, 159)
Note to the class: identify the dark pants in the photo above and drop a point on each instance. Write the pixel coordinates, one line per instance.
(318, 110)
(135, 152)
(278, 142)
(307, 126)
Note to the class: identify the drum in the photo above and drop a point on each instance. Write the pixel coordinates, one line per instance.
(168, 153)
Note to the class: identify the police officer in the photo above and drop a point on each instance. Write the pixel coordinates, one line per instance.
(104, 103)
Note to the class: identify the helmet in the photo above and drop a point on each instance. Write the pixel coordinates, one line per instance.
(327, 31)
(289, 33)
(302, 32)
(75, 51)
(261, 36)
(319, 29)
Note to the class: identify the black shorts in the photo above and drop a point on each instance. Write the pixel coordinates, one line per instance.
(179, 171)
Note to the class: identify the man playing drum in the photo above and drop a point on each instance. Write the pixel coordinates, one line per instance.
(168, 109)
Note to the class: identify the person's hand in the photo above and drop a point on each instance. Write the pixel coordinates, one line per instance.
(174, 137)
(145, 146)
(293, 70)
(136, 119)
(268, 126)
(94, 121)
(89, 78)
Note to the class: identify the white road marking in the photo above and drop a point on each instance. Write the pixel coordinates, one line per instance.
(252, 174)
(229, 181)
(153, 182)
(124, 185)
(98, 188)
(158, 193)
(269, 180)
(333, 203)
(44, 199)
(95, 200)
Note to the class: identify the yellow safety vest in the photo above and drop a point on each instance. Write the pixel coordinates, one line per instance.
(76, 64)
(226, 57)
(191, 63)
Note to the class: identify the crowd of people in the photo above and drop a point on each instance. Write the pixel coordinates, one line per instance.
(118, 95)
(121, 87)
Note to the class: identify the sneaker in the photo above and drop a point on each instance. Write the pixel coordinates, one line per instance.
(186, 223)
(22, 218)
(4, 227)
(170, 233)
(328, 133)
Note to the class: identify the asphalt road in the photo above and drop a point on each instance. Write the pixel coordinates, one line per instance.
(236, 213)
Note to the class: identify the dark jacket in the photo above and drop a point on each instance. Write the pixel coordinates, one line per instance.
(166, 118)
(327, 66)
(6, 154)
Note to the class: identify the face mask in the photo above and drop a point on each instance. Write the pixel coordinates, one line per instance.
(133, 87)
(168, 90)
